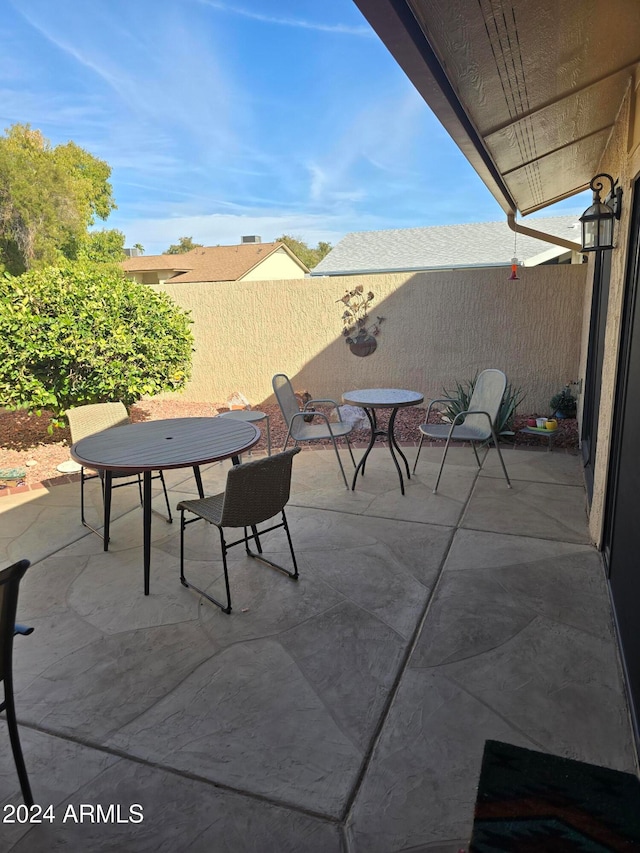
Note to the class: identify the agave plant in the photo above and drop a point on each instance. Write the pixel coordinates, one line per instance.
(461, 397)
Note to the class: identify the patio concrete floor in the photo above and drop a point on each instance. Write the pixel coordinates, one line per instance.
(345, 712)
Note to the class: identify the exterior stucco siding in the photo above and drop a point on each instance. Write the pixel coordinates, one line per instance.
(440, 327)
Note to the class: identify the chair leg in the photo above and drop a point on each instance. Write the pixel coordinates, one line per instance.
(295, 575)
(350, 450)
(14, 738)
(82, 518)
(259, 556)
(473, 444)
(335, 447)
(254, 530)
(183, 580)
(418, 453)
(166, 498)
(495, 441)
(223, 546)
(444, 456)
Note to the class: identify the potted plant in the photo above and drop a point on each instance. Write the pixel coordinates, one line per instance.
(563, 404)
(359, 334)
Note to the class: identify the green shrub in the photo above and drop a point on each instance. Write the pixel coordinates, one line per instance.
(461, 397)
(564, 402)
(82, 333)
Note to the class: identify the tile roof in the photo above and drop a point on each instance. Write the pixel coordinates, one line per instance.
(209, 263)
(443, 246)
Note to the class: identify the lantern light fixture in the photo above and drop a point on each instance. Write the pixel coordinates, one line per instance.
(597, 220)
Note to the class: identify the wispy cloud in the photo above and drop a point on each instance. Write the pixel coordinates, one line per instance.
(227, 228)
(340, 29)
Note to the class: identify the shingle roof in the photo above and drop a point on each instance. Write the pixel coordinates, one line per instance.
(443, 246)
(144, 263)
(209, 263)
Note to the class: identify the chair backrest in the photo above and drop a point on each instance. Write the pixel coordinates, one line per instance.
(285, 397)
(257, 490)
(95, 417)
(487, 396)
(9, 585)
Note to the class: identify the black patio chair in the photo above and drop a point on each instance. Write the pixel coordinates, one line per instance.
(255, 492)
(9, 586)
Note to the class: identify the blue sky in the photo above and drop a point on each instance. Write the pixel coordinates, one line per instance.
(237, 117)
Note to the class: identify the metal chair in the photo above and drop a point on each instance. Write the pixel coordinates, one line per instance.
(9, 586)
(255, 492)
(475, 424)
(95, 417)
(299, 422)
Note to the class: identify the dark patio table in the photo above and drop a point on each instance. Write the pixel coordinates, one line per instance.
(159, 445)
(371, 399)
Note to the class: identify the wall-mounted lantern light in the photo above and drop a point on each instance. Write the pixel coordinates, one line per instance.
(597, 220)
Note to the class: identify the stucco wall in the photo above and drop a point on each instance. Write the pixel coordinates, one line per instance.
(440, 327)
(622, 161)
(279, 265)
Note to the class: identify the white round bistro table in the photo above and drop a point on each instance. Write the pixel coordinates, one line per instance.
(371, 399)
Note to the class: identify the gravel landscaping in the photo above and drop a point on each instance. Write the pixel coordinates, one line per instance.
(26, 443)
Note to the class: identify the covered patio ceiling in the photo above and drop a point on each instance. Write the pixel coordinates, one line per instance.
(528, 90)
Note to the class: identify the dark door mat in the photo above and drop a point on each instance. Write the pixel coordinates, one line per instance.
(531, 802)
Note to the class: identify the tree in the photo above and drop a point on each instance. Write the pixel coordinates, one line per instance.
(102, 246)
(309, 257)
(81, 332)
(48, 198)
(184, 244)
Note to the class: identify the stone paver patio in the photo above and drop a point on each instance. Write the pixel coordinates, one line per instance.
(345, 712)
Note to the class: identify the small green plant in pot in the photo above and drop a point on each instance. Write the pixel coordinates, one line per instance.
(563, 404)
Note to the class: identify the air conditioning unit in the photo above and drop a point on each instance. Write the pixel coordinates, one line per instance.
(251, 238)
(133, 253)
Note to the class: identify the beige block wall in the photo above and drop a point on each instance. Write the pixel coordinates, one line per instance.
(279, 265)
(440, 327)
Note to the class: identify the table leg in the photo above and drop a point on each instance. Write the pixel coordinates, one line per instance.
(372, 438)
(146, 526)
(394, 444)
(106, 497)
(392, 421)
(198, 476)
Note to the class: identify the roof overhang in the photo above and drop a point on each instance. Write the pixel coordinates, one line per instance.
(528, 90)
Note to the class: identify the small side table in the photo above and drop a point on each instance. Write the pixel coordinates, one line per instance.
(549, 434)
(371, 399)
(250, 416)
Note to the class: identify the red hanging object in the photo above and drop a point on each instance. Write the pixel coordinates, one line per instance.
(514, 270)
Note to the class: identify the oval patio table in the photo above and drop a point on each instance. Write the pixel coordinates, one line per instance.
(371, 399)
(158, 445)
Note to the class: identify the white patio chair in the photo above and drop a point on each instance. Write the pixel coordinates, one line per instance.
(299, 429)
(475, 424)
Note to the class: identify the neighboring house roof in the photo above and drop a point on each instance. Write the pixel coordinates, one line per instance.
(477, 244)
(210, 263)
